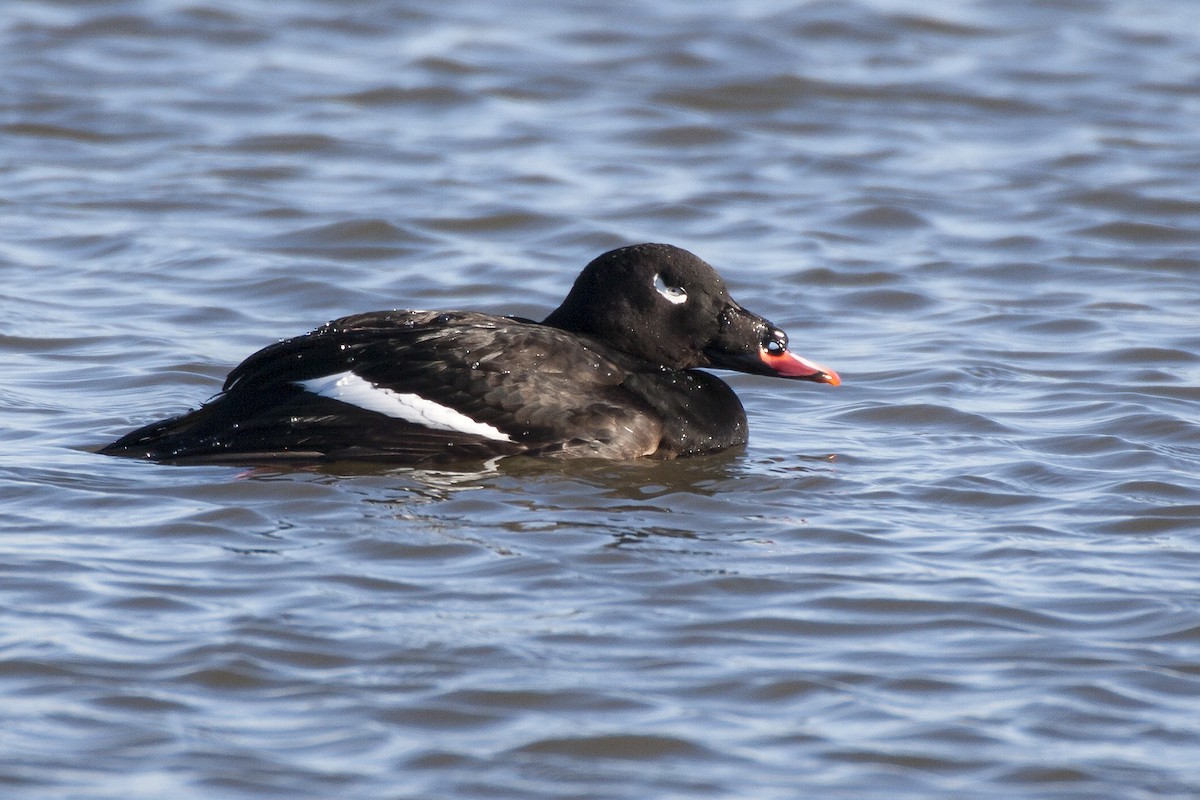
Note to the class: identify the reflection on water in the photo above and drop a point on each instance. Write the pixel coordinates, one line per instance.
(967, 572)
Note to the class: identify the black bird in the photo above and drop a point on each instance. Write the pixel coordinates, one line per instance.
(611, 373)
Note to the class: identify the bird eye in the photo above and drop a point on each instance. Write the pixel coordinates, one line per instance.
(674, 294)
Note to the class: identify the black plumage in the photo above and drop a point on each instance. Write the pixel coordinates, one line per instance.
(609, 374)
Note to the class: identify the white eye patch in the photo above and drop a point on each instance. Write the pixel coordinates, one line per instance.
(674, 294)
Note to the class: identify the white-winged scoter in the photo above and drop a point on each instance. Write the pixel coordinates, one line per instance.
(611, 373)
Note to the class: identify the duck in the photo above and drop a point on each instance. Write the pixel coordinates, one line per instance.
(617, 371)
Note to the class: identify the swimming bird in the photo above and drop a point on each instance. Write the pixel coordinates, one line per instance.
(615, 372)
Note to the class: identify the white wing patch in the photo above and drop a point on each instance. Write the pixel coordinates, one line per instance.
(349, 388)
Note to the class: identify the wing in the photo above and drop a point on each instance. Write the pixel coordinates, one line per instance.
(415, 386)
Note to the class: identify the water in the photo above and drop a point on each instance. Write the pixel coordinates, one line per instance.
(969, 572)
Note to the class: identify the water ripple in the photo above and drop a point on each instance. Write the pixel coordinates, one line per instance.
(969, 571)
